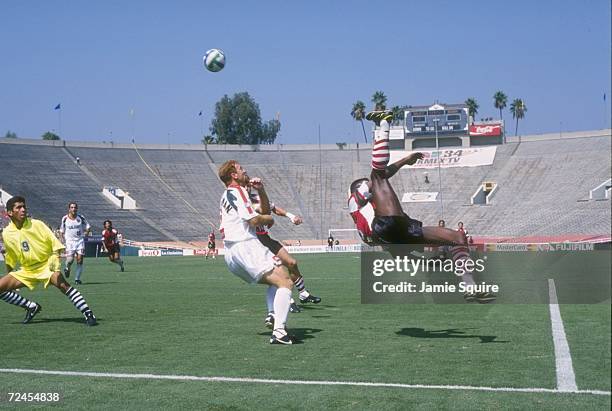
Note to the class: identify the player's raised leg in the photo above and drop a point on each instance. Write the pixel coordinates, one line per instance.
(383, 195)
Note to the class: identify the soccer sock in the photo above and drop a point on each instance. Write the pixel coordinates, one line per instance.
(281, 308)
(16, 299)
(380, 148)
(79, 271)
(78, 300)
(270, 294)
(462, 252)
(69, 261)
(301, 287)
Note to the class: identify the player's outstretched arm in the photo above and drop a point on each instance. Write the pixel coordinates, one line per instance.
(295, 219)
(390, 170)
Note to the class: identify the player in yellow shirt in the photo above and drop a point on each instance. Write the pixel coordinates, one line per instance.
(33, 257)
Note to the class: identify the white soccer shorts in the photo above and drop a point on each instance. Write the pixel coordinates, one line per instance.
(77, 247)
(250, 260)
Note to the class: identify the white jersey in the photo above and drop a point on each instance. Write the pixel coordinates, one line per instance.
(73, 230)
(236, 211)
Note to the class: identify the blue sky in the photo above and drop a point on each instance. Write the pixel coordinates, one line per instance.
(309, 60)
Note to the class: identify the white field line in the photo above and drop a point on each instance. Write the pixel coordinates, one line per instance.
(566, 380)
(295, 382)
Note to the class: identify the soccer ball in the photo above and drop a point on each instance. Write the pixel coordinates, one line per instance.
(214, 60)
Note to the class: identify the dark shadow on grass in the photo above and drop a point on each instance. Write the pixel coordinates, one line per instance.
(449, 333)
(316, 306)
(300, 334)
(61, 320)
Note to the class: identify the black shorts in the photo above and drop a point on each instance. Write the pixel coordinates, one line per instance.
(211, 246)
(114, 249)
(397, 230)
(270, 243)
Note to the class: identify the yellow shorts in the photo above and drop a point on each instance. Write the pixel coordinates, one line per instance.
(43, 275)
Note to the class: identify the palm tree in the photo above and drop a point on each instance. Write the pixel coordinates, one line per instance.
(380, 100)
(398, 114)
(472, 107)
(500, 100)
(518, 110)
(358, 113)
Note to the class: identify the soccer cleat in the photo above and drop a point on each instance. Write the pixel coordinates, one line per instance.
(469, 297)
(485, 298)
(90, 319)
(122, 267)
(269, 320)
(284, 340)
(66, 273)
(78, 282)
(379, 115)
(31, 313)
(310, 299)
(293, 308)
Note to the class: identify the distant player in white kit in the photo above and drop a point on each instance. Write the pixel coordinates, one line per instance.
(74, 228)
(245, 256)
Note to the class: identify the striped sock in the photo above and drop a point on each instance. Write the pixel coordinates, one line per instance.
(16, 299)
(380, 149)
(299, 283)
(78, 300)
(462, 252)
(301, 287)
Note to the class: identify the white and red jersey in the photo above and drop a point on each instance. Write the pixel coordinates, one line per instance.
(236, 211)
(254, 197)
(362, 217)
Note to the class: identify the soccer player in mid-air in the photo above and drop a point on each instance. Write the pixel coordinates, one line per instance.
(281, 252)
(31, 245)
(245, 256)
(111, 243)
(74, 227)
(378, 214)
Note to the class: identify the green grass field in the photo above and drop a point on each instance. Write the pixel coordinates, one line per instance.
(191, 317)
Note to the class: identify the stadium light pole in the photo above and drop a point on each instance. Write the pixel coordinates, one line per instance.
(435, 120)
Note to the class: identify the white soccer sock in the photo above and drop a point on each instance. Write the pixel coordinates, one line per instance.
(79, 271)
(281, 307)
(270, 294)
(380, 147)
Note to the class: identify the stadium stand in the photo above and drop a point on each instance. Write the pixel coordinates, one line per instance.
(542, 186)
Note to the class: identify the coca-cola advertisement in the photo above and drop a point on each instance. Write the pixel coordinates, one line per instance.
(485, 130)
